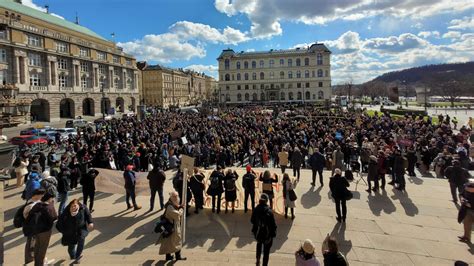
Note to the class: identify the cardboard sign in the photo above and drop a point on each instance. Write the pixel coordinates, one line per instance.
(184, 140)
(187, 162)
(283, 158)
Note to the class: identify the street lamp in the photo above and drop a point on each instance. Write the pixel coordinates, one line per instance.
(103, 100)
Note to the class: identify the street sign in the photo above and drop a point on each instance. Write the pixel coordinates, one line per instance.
(187, 162)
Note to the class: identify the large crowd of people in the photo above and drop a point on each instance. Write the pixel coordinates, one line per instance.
(346, 143)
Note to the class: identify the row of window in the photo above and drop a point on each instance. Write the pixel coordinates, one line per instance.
(271, 62)
(275, 86)
(319, 73)
(63, 80)
(63, 47)
(274, 96)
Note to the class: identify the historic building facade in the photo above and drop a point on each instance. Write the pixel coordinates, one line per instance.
(165, 87)
(295, 75)
(66, 69)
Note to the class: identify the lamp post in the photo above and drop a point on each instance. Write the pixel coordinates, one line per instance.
(103, 101)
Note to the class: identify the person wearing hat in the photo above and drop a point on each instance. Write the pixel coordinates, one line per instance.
(372, 174)
(130, 182)
(248, 183)
(305, 255)
(264, 228)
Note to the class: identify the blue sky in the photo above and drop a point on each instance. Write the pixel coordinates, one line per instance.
(367, 37)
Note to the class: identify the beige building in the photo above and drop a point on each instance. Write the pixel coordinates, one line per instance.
(295, 75)
(66, 69)
(164, 87)
(211, 89)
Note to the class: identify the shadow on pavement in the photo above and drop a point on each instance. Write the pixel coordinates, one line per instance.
(407, 204)
(311, 198)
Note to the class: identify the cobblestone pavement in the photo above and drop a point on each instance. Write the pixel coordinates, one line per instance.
(418, 227)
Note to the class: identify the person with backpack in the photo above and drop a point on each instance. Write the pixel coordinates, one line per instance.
(50, 185)
(248, 183)
(317, 163)
(267, 184)
(33, 183)
(130, 182)
(230, 189)
(74, 225)
(289, 194)
(172, 243)
(338, 186)
(88, 188)
(196, 184)
(264, 228)
(63, 188)
(37, 227)
(156, 178)
(216, 188)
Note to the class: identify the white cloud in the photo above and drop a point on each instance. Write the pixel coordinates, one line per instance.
(394, 44)
(452, 35)
(197, 31)
(427, 34)
(466, 23)
(266, 15)
(29, 3)
(163, 48)
(348, 42)
(210, 70)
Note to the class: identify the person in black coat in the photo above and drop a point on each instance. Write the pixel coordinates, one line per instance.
(88, 187)
(262, 217)
(75, 224)
(248, 183)
(230, 189)
(372, 174)
(196, 184)
(216, 188)
(156, 179)
(296, 162)
(178, 186)
(338, 186)
(317, 162)
(130, 182)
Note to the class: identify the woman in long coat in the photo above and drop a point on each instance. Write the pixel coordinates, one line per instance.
(288, 185)
(174, 214)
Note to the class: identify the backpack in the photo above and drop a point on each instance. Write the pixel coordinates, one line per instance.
(164, 226)
(215, 183)
(31, 225)
(31, 185)
(230, 184)
(263, 231)
(19, 219)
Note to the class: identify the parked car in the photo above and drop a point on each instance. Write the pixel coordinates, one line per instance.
(48, 135)
(77, 123)
(29, 131)
(66, 132)
(29, 140)
(388, 103)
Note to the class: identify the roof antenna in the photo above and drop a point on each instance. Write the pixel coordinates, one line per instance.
(47, 8)
(77, 19)
(113, 36)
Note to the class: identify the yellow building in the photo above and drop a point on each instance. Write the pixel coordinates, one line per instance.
(294, 75)
(165, 87)
(66, 69)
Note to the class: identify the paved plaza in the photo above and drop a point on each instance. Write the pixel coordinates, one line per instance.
(418, 227)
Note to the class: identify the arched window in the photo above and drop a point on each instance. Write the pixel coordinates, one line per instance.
(246, 64)
(239, 97)
(319, 59)
(227, 77)
(298, 74)
(300, 96)
(320, 73)
(238, 65)
(272, 75)
(298, 62)
(262, 64)
(290, 96)
(290, 74)
(308, 95)
(254, 76)
(247, 97)
(271, 63)
(290, 62)
(320, 95)
(282, 96)
(282, 75)
(262, 96)
(254, 97)
(262, 75)
(282, 62)
(238, 76)
(227, 64)
(246, 75)
(306, 74)
(306, 61)
(254, 64)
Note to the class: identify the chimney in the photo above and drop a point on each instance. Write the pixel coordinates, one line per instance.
(47, 9)
(77, 19)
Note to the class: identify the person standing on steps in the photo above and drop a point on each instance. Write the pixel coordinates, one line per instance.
(156, 179)
(174, 214)
(196, 184)
(288, 192)
(296, 162)
(305, 255)
(267, 185)
(88, 187)
(338, 186)
(317, 163)
(216, 188)
(130, 182)
(264, 228)
(372, 174)
(248, 183)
